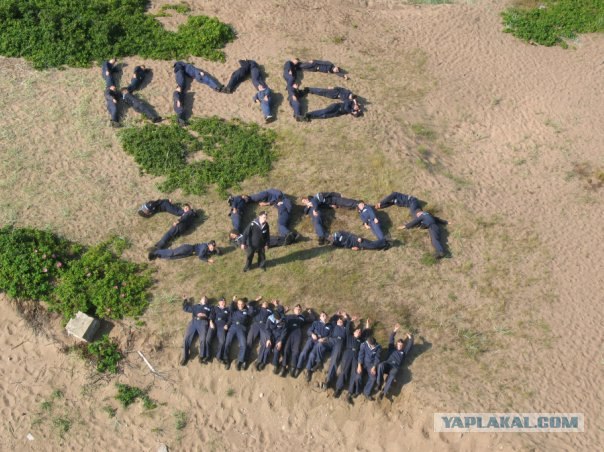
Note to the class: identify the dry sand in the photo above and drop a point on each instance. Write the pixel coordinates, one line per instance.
(509, 123)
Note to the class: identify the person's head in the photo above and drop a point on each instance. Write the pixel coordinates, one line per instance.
(323, 316)
(295, 85)
(357, 333)
(262, 217)
(222, 302)
(233, 234)
(178, 88)
(265, 304)
(186, 207)
(400, 344)
(112, 88)
(353, 97)
(261, 87)
(240, 304)
(297, 309)
(112, 61)
(419, 213)
(124, 90)
(306, 200)
(340, 321)
(204, 300)
(361, 205)
(371, 341)
(143, 67)
(212, 245)
(335, 69)
(277, 317)
(295, 60)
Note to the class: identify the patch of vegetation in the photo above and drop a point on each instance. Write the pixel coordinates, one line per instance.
(423, 131)
(106, 353)
(594, 178)
(102, 284)
(473, 343)
(181, 419)
(236, 151)
(31, 261)
(428, 259)
(62, 424)
(555, 20)
(181, 8)
(127, 395)
(230, 392)
(54, 33)
(111, 412)
(46, 405)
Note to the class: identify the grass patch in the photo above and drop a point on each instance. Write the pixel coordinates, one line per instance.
(181, 8)
(230, 392)
(552, 21)
(236, 151)
(127, 395)
(111, 412)
(62, 424)
(55, 33)
(105, 352)
(473, 343)
(180, 418)
(423, 131)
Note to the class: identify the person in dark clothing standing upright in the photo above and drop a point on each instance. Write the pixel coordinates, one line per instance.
(255, 240)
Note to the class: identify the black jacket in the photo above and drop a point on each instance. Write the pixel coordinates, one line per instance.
(256, 235)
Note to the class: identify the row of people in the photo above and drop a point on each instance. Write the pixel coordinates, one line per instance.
(355, 358)
(184, 71)
(125, 95)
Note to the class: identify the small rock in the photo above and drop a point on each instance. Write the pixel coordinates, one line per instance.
(261, 395)
(30, 437)
(162, 448)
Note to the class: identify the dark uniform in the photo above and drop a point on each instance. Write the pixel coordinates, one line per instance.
(401, 200)
(369, 358)
(291, 351)
(293, 97)
(278, 336)
(393, 363)
(256, 237)
(150, 208)
(332, 93)
(257, 76)
(137, 79)
(201, 250)
(429, 222)
(238, 322)
(350, 358)
(367, 215)
(320, 66)
(343, 239)
(178, 101)
(333, 110)
(237, 205)
(180, 74)
(220, 317)
(283, 204)
(184, 222)
(337, 341)
(140, 106)
(290, 72)
(202, 77)
(239, 75)
(200, 314)
(111, 99)
(265, 97)
(322, 331)
(107, 71)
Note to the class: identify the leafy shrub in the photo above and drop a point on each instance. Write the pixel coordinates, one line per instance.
(554, 20)
(237, 150)
(31, 261)
(102, 284)
(106, 354)
(127, 395)
(53, 33)
(181, 8)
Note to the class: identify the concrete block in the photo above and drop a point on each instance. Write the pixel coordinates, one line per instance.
(82, 327)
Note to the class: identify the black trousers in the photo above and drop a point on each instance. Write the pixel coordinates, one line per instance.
(250, 256)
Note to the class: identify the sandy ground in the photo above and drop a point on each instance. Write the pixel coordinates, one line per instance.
(490, 130)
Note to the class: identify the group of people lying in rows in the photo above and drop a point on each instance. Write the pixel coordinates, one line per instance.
(248, 68)
(256, 237)
(356, 361)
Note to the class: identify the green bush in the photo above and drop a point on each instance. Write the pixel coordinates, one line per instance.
(127, 395)
(237, 150)
(53, 33)
(106, 354)
(31, 261)
(103, 285)
(181, 8)
(555, 20)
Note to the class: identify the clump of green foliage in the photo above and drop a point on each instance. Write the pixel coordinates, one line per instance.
(62, 424)
(554, 20)
(127, 395)
(181, 419)
(39, 265)
(31, 261)
(236, 150)
(54, 33)
(106, 354)
(99, 283)
(181, 8)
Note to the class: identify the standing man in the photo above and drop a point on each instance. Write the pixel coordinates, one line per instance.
(255, 240)
(178, 227)
(396, 355)
(367, 215)
(400, 200)
(426, 221)
(199, 325)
